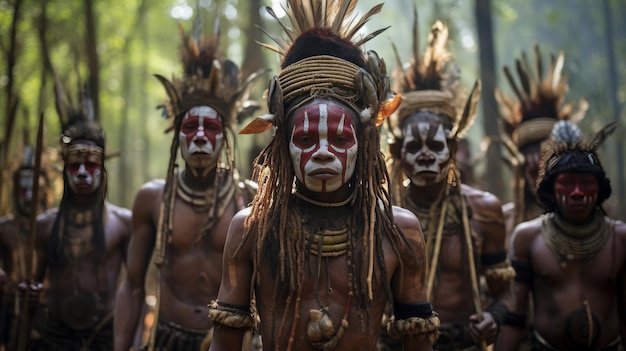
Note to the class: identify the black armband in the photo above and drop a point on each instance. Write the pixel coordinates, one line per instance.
(408, 310)
(490, 259)
(498, 311)
(515, 320)
(523, 272)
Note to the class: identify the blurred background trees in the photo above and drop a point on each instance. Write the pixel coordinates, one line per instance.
(115, 46)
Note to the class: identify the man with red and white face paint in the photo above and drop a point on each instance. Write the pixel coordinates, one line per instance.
(323, 145)
(83, 167)
(572, 259)
(201, 137)
(425, 153)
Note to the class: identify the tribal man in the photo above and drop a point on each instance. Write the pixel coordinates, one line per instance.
(82, 243)
(463, 226)
(571, 260)
(321, 250)
(15, 234)
(527, 122)
(184, 219)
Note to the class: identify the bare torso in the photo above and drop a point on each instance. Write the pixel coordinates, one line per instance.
(452, 290)
(81, 289)
(13, 247)
(192, 271)
(566, 297)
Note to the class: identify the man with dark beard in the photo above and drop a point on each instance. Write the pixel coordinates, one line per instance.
(571, 260)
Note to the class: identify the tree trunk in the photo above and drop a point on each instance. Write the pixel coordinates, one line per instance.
(493, 179)
(93, 62)
(125, 175)
(612, 80)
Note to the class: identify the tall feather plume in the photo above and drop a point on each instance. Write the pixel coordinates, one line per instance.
(339, 16)
(208, 77)
(539, 93)
(469, 113)
(602, 134)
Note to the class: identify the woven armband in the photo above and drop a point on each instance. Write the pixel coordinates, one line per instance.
(498, 311)
(426, 327)
(231, 316)
(523, 272)
(515, 320)
(501, 271)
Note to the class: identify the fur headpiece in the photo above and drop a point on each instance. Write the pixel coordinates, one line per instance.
(427, 86)
(538, 102)
(322, 59)
(571, 153)
(208, 79)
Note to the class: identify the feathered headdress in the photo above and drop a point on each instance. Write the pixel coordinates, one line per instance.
(426, 85)
(77, 117)
(322, 59)
(311, 67)
(538, 101)
(208, 79)
(570, 152)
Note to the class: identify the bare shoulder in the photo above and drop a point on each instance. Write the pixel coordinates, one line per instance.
(481, 200)
(508, 209)
(236, 234)
(48, 216)
(122, 214)
(151, 188)
(620, 230)
(405, 219)
(118, 211)
(524, 234)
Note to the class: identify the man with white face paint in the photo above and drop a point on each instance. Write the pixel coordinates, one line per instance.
(15, 235)
(183, 219)
(81, 245)
(321, 249)
(572, 259)
(459, 222)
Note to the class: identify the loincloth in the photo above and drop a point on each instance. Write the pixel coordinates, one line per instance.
(171, 336)
(455, 337)
(58, 336)
(540, 344)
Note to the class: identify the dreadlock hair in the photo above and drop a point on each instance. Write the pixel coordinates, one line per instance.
(274, 222)
(82, 132)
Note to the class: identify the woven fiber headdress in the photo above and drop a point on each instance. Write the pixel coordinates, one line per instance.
(538, 101)
(311, 67)
(429, 84)
(208, 79)
(323, 60)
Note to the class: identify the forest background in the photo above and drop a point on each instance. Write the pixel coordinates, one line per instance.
(115, 47)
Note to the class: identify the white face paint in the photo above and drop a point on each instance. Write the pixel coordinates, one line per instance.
(425, 153)
(323, 146)
(201, 137)
(84, 168)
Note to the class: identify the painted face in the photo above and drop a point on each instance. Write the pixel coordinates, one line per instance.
(84, 168)
(323, 145)
(201, 137)
(24, 190)
(425, 153)
(576, 195)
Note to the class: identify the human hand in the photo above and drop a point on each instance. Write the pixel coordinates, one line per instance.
(30, 291)
(484, 329)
